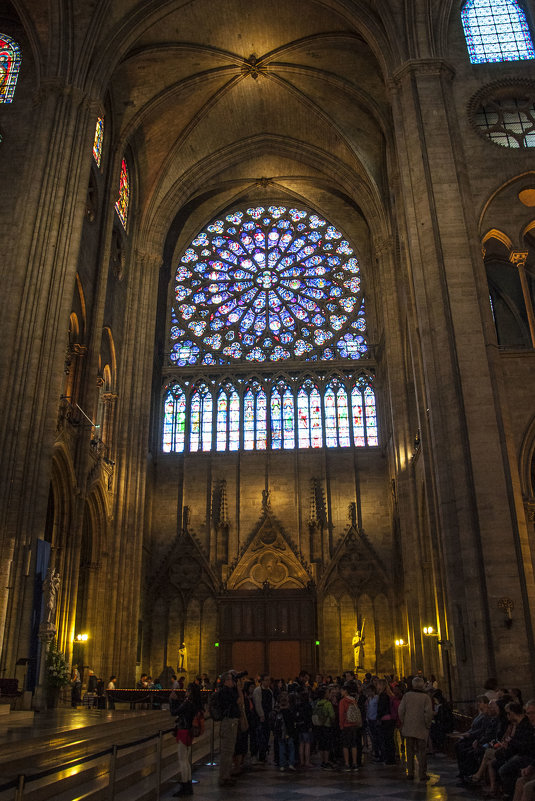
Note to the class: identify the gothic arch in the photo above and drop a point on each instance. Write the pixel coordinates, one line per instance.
(268, 558)
(527, 464)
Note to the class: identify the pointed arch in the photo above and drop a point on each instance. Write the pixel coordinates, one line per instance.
(309, 416)
(496, 31)
(228, 418)
(174, 420)
(282, 416)
(254, 417)
(201, 407)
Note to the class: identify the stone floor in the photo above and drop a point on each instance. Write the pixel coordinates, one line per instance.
(373, 782)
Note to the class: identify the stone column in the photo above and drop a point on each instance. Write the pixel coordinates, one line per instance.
(35, 323)
(47, 632)
(468, 489)
(519, 257)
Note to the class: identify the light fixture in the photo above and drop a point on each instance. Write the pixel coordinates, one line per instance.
(82, 637)
(400, 643)
(429, 631)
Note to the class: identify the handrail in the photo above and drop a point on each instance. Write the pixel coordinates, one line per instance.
(79, 761)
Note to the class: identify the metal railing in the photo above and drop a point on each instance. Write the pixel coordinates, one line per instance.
(22, 781)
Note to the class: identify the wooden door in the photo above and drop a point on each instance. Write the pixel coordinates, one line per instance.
(284, 659)
(248, 655)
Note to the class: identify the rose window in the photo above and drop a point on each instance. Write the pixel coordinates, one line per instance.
(267, 284)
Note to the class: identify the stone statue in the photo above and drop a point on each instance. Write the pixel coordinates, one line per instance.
(50, 592)
(358, 648)
(265, 499)
(182, 657)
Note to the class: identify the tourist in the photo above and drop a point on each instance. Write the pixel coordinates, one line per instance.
(416, 713)
(350, 720)
(264, 703)
(231, 693)
(184, 737)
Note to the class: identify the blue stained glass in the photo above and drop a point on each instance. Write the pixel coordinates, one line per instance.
(331, 434)
(496, 30)
(174, 422)
(221, 426)
(288, 425)
(248, 421)
(234, 422)
(371, 419)
(201, 420)
(276, 420)
(271, 275)
(343, 418)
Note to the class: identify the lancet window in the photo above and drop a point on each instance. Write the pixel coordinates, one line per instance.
(200, 413)
(10, 58)
(98, 140)
(276, 414)
(496, 30)
(228, 419)
(121, 206)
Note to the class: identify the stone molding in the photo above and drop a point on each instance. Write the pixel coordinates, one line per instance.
(422, 67)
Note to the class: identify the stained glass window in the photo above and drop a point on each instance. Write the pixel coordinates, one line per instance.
(309, 426)
(267, 285)
(357, 410)
(228, 420)
(282, 417)
(174, 421)
(121, 207)
(248, 420)
(201, 419)
(97, 142)
(296, 413)
(10, 58)
(496, 30)
(371, 417)
(336, 416)
(221, 425)
(254, 418)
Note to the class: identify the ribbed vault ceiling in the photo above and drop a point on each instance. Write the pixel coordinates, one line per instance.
(215, 96)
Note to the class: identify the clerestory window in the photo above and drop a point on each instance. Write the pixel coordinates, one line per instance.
(496, 30)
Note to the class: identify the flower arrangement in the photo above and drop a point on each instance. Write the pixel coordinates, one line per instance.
(58, 673)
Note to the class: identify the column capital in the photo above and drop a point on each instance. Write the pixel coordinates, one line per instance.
(518, 257)
(422, 67)
(55, 87)
(109, 398)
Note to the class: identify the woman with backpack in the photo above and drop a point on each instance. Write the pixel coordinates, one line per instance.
(350, 719)
(186, 713)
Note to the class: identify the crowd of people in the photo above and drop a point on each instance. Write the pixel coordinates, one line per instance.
(333, 720)
(497, 754)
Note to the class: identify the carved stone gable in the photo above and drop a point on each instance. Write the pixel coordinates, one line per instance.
(185, 570)
(356, 568)
(269, 560)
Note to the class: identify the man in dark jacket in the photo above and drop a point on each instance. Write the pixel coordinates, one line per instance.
(231, 695)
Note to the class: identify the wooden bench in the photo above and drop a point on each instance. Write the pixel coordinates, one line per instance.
(462, 724)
